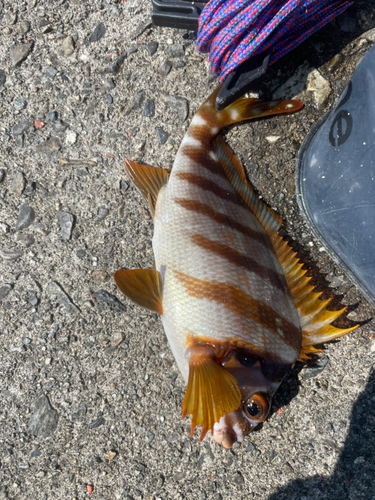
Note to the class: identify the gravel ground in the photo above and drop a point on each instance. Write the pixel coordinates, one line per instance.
(90, 392)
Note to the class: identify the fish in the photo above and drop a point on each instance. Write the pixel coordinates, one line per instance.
(236, 306)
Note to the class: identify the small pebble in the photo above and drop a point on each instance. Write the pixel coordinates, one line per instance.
(152, 47)
(50, 72)
(149, 108)
(66, 221)
(68, 46)
(162, 135)
(97, 34)
(25, 27)
(165, 68)
(109, 98)
(176, 50)
(71, 137)
(20, 104)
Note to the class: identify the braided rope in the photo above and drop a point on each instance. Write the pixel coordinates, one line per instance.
(234, 30)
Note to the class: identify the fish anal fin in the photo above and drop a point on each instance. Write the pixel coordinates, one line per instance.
(148, 180)
(142, 286)
(235, 172)
(315, 320)
(211, 392)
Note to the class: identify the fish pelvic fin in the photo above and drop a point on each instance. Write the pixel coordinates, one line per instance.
(315, 319)
(211, 392)
(242, 109)
(142, 286)
(148, 181)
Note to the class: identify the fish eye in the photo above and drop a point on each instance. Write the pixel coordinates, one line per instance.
(246, 360)
(256, 407)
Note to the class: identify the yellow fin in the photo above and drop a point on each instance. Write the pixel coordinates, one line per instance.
(235, 172)
(211, 393)
(244, 108)
(142, 286)
(148, 181)
(314, 318)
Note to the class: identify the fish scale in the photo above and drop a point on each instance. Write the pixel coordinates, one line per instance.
(235, 304)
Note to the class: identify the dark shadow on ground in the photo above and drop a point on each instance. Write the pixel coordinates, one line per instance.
(354, 475)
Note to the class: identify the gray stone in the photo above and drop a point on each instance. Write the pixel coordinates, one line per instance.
(149, 108)
(140, 29)
(52, 116)
(44, 418)
(124, 186)
(97, 423)
(68, 46)
(2, 174)
(97, 34)
(78, 411)
(295, 85)
(110, 300)
(152, 47)
(178, 104)
(165, 68)
(66, 221)
(4, 227)
(115, 67)
(3, 77)
(54, 289)
(49, 147)
(25, 218)
(348, 22)
(18, 53)
(10, 254)
(102, 214)
(20, 104)
(311, 371)
(21, 127)
(135, 102)
(320, 88)
(176, 50)
(50, 72)
(25, 240)
(109, 98)
(35, 453)
(25, 27)
(18, 183)
(5, 290)
(162, 135)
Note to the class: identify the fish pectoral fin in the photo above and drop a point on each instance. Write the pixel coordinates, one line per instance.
(142, 286)
(235, 172)
(148, 180)
(211, 393)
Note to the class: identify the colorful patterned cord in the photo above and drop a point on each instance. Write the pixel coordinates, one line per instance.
(234, 30)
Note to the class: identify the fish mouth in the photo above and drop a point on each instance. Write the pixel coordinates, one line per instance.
(226, 436)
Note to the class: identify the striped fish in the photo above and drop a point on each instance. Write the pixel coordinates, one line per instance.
(235, 304)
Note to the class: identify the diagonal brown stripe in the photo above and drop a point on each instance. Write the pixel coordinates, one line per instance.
(212, 187)
(234, 299)
(224, 220)
(200, 156)
(238, 259)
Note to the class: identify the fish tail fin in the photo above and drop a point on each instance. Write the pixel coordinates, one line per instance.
(242, 109)
(211, 392)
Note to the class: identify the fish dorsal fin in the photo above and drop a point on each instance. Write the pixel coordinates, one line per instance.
(235, 172)
(315, 320)
(142, 286)
(211, 392)
(148, 181)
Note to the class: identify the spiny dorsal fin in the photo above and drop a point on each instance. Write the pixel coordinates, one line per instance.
(148, 181)
(211, 392)
(314, 318)
(142, 286)
(235, 172)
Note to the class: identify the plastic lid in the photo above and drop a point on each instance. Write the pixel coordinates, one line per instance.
(335, 179)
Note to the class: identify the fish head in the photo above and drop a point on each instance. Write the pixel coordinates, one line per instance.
(257, 380)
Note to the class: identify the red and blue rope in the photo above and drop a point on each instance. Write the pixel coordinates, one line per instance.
(235, 30)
